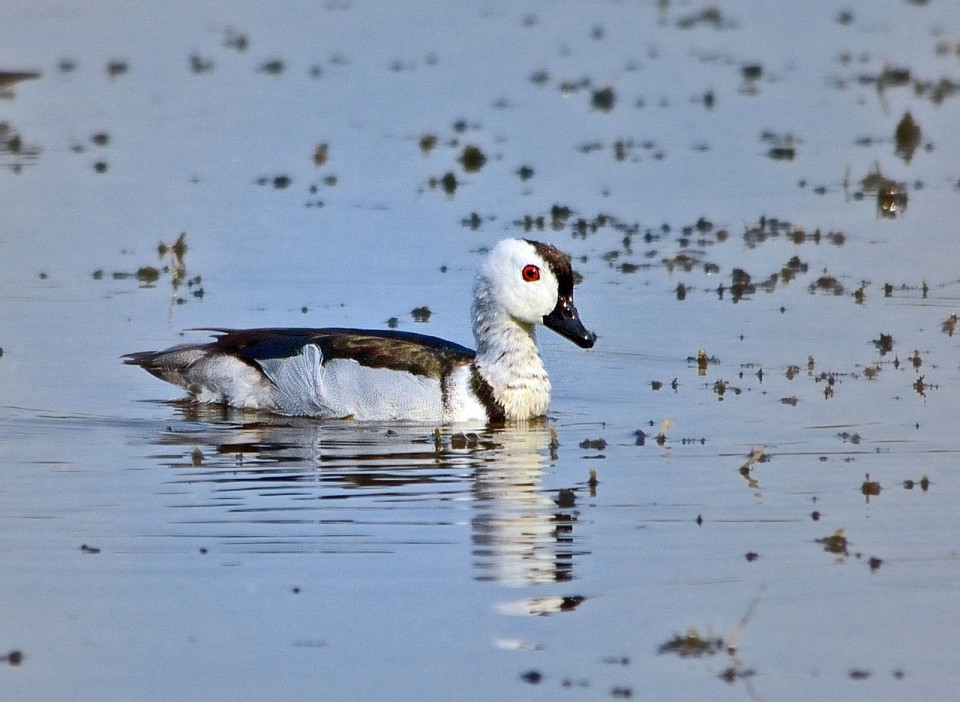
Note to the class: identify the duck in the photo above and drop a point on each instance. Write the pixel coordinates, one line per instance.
(393, 375)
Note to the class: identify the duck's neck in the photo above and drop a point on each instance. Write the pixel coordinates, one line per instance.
(508, 359)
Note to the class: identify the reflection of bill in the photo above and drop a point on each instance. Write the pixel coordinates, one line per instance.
(520, 535)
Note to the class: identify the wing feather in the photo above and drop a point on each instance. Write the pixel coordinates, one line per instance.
(394, 350)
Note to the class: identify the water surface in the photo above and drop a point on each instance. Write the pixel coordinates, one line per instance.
(746, 490)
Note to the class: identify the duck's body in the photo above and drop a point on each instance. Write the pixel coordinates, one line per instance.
(391, 375)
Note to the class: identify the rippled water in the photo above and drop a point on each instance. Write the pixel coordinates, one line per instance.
(746, 490)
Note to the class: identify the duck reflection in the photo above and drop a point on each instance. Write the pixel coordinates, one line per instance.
(378, 487)
(521, 535)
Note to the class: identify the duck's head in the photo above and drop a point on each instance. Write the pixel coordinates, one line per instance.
(533, 283)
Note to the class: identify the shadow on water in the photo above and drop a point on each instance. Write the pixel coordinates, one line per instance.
(281, 484)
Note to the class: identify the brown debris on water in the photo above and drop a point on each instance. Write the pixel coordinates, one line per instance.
(427, 143)
(722, 387)
(447, 182)
(916, 360)
(116, 68)
(173, 258)
(472, 159)
(703, 362)
(870, 488)
(937, 91)
(828, 284)
(891, 196)
(742, 284)
(540, 77)
(321, 153)
(661, 437)
(835, 543)
(924, 484)
(907, 137)
(692, 645)
(596, 444)
(421, 314)
(13, 657)
(147, 275)
(272, 67)
(604, 99)
(921, 387)
(199, 64)
(782, 146)
(709, 16)
(949, 325)
(236, 40)
(14, 153)
(533, 677)
(757, 455)
(884, 343)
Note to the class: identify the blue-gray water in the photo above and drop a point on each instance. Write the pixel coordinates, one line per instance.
(732, 184)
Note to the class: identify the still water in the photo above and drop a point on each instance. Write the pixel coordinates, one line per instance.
(747, 490)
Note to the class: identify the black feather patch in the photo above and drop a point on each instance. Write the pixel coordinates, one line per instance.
(559, 263)
(484, 392)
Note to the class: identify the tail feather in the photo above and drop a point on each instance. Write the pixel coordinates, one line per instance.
(171, 365)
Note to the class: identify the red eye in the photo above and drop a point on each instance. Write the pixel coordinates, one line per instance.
(531, 273)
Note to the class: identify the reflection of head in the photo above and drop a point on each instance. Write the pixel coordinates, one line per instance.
(520, 536)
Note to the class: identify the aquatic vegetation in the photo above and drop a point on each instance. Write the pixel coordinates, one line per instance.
(173, 263)
(596, 444)
(236, 40)
(884, 343)
(603, 99)
(447, 182)
(321, 152)
(782, 146)
(273, 67)
(200, 64)
(13, 657)
(427, 143)
(709, 16)
(835, 543)
(117, 67)
(472, 159)
(870, 488)
(14, 153)
(692, 645)
(906, 137)
(949, 325)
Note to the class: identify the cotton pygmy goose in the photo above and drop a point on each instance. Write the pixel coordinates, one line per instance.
(393, 375)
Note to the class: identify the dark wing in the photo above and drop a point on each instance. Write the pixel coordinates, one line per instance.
(403, 351)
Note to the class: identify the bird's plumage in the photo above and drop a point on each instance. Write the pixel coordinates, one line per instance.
(396, 375)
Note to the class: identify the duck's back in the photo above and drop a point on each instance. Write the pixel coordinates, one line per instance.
(364, 374)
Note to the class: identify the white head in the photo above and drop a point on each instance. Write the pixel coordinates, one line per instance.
(532, 283)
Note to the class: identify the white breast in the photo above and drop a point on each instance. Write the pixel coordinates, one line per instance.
(461, 404)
